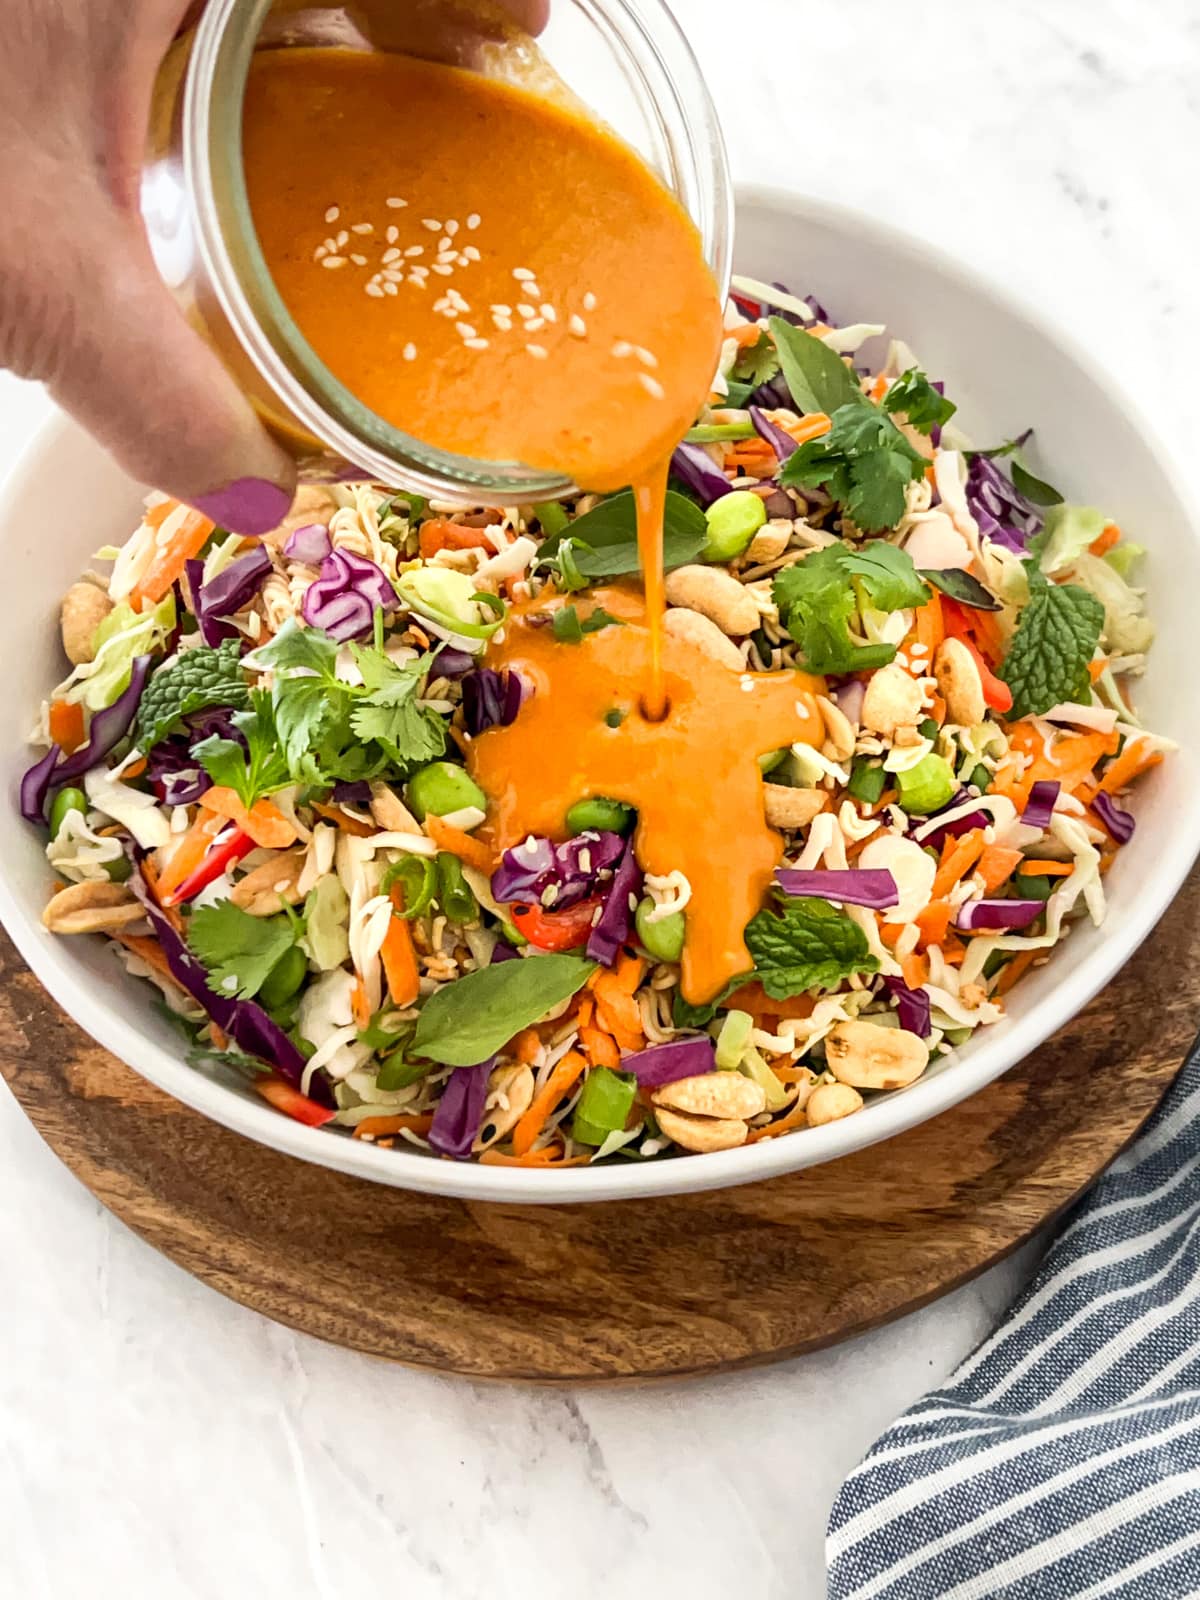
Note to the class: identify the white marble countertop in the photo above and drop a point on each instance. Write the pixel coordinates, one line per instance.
(159, 1441)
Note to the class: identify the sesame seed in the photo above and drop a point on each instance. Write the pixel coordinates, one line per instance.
(467, 331)
(375, 290)
(334, 261)
(332, 214)
(342, 238)
(526, 311)
(474, 220)
(523, 275)
(919, 650)
(503, 324)
(393, 274)
(419, 272)
(319, 252)
(538, 351)
(445, 246)
(413, 251)
(621, 349)
(452, 228)
(646, 357)
(392, 234)
(443, 270)
(395, 204)
(390, 255)
(362, 227)
(535, 324)
(432, 224)
(390, 288)
(589, 301)
(359, 261)
(502, 311)
(331, 246)
(578, 327)
(549, 313)
(476, 344)
(471, 254)
(410, 352)
(652, 386)
(417, 283)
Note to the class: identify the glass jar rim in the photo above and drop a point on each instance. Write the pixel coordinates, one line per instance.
(227, 240)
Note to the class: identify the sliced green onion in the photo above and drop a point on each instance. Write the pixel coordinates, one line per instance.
(733, 1039)
(417, 877)
(604, 1104)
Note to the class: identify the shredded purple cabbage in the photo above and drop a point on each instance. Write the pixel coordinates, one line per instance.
(1005, 916)
(774, 395)
(310, 544)
(491, 699)
(459, 1114)
(1118, 822)
(874, 887)
(344, 599)
(658, 1064)
(1001, 511)
(108, 727)
(1039, 808)
(611, 929)
(353, 794)
(246, 1023)
(175, 774)
(453, 663)
(227, 593)
(782, 443)
(912, 1006)
(955, 829)
(503, 951)
(556, 876)
(35, 786)
(693, 466)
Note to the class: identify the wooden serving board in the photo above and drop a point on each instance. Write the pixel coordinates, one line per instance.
(619, 1292)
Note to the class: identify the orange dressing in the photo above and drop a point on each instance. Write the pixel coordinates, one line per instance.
(694, 778)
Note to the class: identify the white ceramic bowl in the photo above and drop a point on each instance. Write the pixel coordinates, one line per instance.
(1006, 370)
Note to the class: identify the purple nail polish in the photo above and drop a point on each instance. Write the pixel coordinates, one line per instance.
(251, 506)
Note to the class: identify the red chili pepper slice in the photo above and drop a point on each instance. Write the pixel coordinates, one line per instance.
(556, 930)
(294, 1104)
(957, 620)
(222, 855)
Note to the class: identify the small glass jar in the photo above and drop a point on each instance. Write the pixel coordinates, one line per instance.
(626, 60)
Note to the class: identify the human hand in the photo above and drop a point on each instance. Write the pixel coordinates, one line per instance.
(81, 304)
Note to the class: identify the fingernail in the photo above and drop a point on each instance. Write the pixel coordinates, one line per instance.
(251, 506)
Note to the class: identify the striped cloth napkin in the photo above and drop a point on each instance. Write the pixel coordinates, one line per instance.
(1063, 1460)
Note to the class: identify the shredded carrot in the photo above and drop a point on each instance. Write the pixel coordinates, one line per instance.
(746, 336)
(1071, 759)
(1014, 969)
(220, 1038)
(933, 922)
(1045, 869)
(1096, 668)
(958, 857)
(552, 1156)
(348, 824)
(439, 533)
(618, 1014)
(190, 850)
(526, 1047)
(789, 1074)
(997, 865)
(812, 426)
(879, 388)
(559, 1084)
(914, 969)
(752, 997)
(953, 950)
(890, 932)
(150, 877)
(151, 952)
(1110, 537)
(1130, 764)
(937, 709)
(66, 725)
(170, 560)
(797, 1117)
(373, 1127)
(135, 768)
(600, 1047)
(264, 822)
(400, 963)
(457, 843)
(929, 626)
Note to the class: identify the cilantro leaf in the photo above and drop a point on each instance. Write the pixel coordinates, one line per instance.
(913, 397)
(817, 599)
(256, 770)
(818, 378)
(798, 945)
(757, 363)
(864, 461)
(197, 680)
(604, 540)
(569, 628)
(386, 708)
(1056, 638)
(304, 662)
(239, 950)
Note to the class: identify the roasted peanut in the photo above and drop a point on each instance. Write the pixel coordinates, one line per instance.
(715, 595)
(702, 1135)
(96, 906)
(840, 737)
(513, 1084)
(790, 809)
(830, 1102)
(867, 1056)
(713, 1094)
(769, 543)
(390, 812)
(700, 631)
(959, 683)
(265, 889)
(892, 700)
(84, 608)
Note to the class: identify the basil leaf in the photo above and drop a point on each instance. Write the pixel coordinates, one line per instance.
(818, 378)
(468, 1021)
(569, 629)
(1041, 494)
(604, 539)
(961, 586)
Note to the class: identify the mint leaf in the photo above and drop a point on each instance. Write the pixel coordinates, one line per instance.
(570, 628)
(887, 575)
(239, 950)
(258, 769)
(913, 397)
(197, 680)
(818, 378)
(1056, 638)
(604, 540)
(817, 600)
(865, 463)
(468, 1021)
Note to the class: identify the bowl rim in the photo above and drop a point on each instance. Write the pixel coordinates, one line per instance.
(770, 1158)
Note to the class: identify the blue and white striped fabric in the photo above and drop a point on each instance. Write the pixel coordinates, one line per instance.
(1063, 1460)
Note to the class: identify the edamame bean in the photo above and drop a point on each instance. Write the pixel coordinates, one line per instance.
(733, 520)
(119, 869)
(284, 978)
(662, 939)
(600, 816)
(442, 787)
(66, 801)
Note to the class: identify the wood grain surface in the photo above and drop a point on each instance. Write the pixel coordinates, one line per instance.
(618, 1292)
